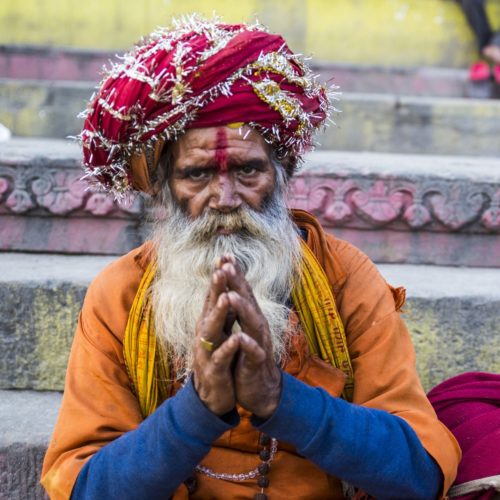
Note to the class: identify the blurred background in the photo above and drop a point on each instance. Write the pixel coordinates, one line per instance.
(370, 32)
(410, 174)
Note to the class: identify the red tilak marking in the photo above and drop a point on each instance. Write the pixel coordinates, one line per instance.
(221, 150)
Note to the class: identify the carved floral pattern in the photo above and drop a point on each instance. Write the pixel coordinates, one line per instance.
(4, 186)
(19, 201)
(59, 191)
(358, 201)
(62, 193)
(417, 215)
(458, 206)
(362, 202)
(377, 205)
(491, 217)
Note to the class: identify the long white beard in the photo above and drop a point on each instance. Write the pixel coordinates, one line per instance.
(266, 246)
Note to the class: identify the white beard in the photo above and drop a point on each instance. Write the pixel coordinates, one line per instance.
(265, 245)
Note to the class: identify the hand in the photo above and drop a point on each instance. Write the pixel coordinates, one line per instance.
(257, 379)
(212, 375)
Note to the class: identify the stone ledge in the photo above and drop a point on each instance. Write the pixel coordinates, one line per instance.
(453, 315)
(398, 208)
(369, 122)
(28, 420)
(57, 63)
(44, 206)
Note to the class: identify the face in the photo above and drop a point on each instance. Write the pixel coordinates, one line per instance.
(221, 168)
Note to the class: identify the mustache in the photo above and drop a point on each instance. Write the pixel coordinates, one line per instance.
(244, 221)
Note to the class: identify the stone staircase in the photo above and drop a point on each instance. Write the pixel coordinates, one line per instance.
(410, 174)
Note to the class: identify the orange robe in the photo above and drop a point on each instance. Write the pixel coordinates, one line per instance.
(99, 405)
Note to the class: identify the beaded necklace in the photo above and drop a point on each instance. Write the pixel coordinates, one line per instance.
(267, 454)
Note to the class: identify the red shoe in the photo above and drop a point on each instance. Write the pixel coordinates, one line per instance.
(479, 71)
(496, 73)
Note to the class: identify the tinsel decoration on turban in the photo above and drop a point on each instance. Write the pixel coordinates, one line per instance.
(199, 73)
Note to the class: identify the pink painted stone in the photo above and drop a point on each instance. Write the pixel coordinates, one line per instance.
(99, 204)
(378, 206)
(64, 196)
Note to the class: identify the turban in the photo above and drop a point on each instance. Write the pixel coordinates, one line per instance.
(199, 73)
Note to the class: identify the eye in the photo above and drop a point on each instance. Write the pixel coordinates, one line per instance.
(248, 170)
(198, 175)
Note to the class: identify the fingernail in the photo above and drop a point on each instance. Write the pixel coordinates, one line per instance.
(215, 278)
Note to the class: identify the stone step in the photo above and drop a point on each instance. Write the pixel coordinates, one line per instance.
(398, 208)
(28, 420)
(45, 207)
(57, 63)
(453, 315)
(368, 122)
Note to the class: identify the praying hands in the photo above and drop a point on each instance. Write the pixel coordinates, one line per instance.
(239, 367)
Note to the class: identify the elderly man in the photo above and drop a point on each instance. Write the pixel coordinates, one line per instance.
(242, 352)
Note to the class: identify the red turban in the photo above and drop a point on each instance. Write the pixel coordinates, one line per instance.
(199, 74)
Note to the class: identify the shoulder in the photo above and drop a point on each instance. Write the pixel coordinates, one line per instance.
(110, 295)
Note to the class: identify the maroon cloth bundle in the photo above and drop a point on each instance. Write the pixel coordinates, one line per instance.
(469, 405)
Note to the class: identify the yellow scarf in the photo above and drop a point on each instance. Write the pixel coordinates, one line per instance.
(312, 299)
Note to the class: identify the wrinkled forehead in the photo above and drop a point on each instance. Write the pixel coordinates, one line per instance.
(205, 145)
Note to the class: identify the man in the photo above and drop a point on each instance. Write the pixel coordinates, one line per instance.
(243, 353)
(488, 41)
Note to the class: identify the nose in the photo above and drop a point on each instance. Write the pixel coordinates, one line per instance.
(225, 197)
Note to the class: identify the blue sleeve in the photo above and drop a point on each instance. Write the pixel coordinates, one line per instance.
(370, 449)
(154, 459)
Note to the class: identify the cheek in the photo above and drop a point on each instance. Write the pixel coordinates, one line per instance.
(258, 194)
(191, 201)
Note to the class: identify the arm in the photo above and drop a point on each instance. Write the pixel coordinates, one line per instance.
(152, 460)
(100, 436)
(383, 357)
(386, 440)
(368, 448)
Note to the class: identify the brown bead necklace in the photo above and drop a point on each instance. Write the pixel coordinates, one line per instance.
(261, 472)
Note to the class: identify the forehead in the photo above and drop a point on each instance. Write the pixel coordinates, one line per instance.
(201, 145)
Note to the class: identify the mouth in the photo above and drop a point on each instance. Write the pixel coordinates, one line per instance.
(224, 231)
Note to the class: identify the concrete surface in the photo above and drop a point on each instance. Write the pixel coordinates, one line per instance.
(40, 297)
(414, 209)
(414, 125)
(57, 63)
(453, 315)
(27, 420)
(368, 122)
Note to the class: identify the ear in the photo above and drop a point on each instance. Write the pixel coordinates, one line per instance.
(160, 168)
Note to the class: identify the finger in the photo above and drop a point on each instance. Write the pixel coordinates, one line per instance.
(237, 281)
(211, 328)
(252, 351)
(227, 257)
(218, 285)
(230, 320)
(250, 318)
(223, 356)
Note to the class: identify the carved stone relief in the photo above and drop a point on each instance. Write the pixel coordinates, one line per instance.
(58, 191)
(355, 202)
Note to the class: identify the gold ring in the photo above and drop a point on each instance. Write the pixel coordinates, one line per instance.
(207, 345)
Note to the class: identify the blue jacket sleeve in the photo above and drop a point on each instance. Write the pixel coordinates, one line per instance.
(154, 459)
(370, 449)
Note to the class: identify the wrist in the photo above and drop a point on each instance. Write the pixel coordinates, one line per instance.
(273, 395)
